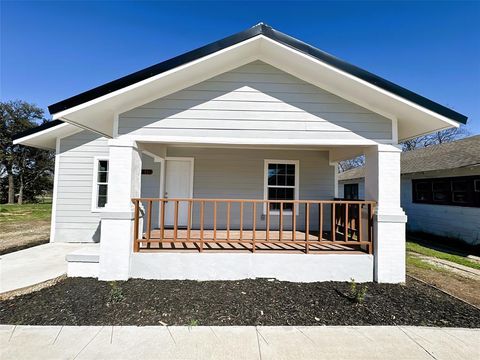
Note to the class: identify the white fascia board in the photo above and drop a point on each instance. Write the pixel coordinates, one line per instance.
(344, 84)
(99, 113)
(178, 78)
(46, 139)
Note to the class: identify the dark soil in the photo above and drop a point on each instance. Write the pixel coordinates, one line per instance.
(76, 301)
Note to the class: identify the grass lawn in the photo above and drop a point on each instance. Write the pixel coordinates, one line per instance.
(24, 226)
(25, 213)
(423, 250)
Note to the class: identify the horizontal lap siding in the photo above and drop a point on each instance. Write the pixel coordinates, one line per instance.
(256, 100)
(75, 221)
(239, 174)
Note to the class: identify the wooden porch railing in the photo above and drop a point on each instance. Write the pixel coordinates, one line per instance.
(349, 223)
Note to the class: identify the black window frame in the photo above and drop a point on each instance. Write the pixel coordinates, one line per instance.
(447, 191)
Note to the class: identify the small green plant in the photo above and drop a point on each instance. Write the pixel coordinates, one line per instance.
(116, 293)
(193, 322)
(357, 293)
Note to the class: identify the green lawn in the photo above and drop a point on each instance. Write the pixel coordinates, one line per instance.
(417, 248)
(25, 213)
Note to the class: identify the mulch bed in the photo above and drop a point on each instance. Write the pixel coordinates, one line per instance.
(76, 301)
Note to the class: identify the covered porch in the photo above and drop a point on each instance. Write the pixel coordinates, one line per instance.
(231, 212)
(223, 225)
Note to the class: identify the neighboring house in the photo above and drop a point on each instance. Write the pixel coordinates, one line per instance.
(440, 190)
(221, 164)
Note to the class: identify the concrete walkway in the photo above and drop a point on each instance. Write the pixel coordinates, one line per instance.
(34, 265)
(203, 342)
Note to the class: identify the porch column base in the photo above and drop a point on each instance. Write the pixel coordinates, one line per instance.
(116, 245)
(390, 247)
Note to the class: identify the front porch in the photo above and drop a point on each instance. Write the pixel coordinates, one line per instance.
(223, 225)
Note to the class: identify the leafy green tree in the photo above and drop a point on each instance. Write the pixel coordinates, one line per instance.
(23, 169)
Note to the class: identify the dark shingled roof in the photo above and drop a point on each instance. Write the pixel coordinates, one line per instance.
(453, 155)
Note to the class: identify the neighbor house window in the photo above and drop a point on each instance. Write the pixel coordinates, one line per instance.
(350, 191)
(459, 191)
(100, 183)
(281, 182)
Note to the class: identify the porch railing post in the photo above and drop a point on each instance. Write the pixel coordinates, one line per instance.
(136, 244)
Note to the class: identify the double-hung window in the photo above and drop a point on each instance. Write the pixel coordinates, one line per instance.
(100, 184)
(281, 183)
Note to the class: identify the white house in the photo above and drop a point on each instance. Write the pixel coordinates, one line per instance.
(440, 189)
(221, 164)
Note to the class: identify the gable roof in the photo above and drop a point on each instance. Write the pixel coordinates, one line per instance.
(446, 156)
(415, 114)
(269, 32)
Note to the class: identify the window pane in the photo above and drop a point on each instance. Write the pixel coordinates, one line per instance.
(282, 168)
(460, 197)
(289, 194)
(103, 165)
(102, 177)
(102, 190)
(272, 194)
(441, 196)
(441, 186)
(291, 169)
(424, 186)
(291, 180)
(281, 180)
(272, 178)
(102, 200)
(459, 186)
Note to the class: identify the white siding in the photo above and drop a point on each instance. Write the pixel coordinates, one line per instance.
(239, 174)
(75, 222)
(443, 220)
(150, 187)
(255, 100)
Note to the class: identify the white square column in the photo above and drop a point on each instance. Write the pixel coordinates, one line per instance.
(382, 184)
(124, 181)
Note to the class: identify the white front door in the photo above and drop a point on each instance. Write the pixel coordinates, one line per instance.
(178, 185)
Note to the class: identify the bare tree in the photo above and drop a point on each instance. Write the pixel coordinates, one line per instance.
(435, 138)
(438, 137)
(351, 164)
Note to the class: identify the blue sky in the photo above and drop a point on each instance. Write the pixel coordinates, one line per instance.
(53, 50)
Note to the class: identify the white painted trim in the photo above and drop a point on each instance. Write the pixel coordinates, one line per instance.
(96, 159)
(83, 127)
(149, 80)
(53, 220)
(250, 141)
(115, 125)
(296, 192)
(43, 132)
(335, 179)
(192, 169)
(394, 130)
(155, 158)
(363, 82)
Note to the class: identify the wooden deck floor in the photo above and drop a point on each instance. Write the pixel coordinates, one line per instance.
(233, 241)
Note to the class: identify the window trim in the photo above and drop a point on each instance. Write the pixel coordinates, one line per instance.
(96, 160)
(265, 184)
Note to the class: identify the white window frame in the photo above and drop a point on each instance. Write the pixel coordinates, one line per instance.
(96, 160)
(265, 184)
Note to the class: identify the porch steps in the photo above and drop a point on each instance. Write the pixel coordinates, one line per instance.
(84, 262)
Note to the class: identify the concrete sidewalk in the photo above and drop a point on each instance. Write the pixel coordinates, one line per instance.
(203, 342)
(35, 265)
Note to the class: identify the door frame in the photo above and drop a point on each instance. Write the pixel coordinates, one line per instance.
(163, 173)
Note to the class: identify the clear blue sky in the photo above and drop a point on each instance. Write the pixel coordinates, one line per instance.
(53, 50)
